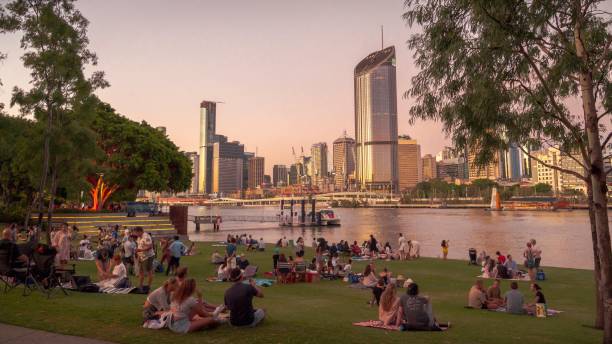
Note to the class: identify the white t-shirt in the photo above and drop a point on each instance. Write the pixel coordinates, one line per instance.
(143, 242)
(84, 243)
(402, 243)
(128, 249)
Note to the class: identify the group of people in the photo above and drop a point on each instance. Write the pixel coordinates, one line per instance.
(513, 300)
(505, 267)
(183, 309)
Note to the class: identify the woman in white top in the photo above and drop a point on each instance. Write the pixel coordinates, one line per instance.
(403, 247)
(188, 314)
(118, 273)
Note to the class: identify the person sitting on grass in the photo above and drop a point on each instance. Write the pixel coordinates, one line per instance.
(347, 268)
(188, 313)
(417, 312)
(377, 291)
(181, 274)
(283, 272)
(102, 262)
(477, 298)
(222, 272)
(118, 274)
(511, 266)
(369, 276)
(494, 293)
(158, 301)
(513, 299)
(389, 310)
(355, 249)
(239, 300)
(539, 298)
(217, 258)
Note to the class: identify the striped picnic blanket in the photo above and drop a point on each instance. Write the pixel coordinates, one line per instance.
(376, 324)
(116, 290)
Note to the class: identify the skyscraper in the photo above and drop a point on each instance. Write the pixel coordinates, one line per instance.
(256, 172)
(344, 161)
(489, 171)
(279, 175)
(195, 165)
(208, 122)
(318, 161)
(376, 121)
(227, 167)
(430, 170)
(409, 161)
(245, 169)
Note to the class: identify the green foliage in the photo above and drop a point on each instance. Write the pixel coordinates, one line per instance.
(543, 188)
(137, 156)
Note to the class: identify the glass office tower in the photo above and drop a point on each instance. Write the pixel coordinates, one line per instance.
(376, 121)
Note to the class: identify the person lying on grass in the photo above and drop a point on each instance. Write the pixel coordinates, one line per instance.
(188, 312)
(158, 301)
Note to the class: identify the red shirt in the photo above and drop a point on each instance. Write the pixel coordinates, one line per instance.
(501, 259)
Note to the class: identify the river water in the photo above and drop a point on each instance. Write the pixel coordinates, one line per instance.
(563, 236)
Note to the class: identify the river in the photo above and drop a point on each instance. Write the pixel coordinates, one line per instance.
(563, 236)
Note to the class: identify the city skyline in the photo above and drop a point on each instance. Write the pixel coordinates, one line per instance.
(160, 75)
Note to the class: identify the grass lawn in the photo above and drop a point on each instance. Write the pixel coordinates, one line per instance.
(321, 312)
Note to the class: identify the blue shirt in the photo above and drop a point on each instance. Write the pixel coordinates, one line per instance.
(177, 248)
(231, 248)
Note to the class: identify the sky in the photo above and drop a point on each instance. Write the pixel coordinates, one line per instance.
(284, 69)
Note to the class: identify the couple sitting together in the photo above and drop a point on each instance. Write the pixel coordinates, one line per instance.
(411, 312)
(181, 307)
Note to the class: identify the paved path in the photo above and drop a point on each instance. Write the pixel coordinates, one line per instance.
(10, 334)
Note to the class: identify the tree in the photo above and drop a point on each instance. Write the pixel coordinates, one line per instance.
(543, 188)
(136, 157)
(502, 72)
(54, 37)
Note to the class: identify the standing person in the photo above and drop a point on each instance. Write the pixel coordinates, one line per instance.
(537, 253)
(61, 242)
(218, 222)
(514, 300)
(299, 247)
(530, 263)
(129, 246)
(177, 249)
(444, 245)
(239, 299)
(403, 247)
(146, 255)
(372, 245)
(188, 313)
(501, 259)
(230, 249)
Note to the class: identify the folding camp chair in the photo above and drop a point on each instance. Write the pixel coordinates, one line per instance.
(284, 272)
(250, 271)
(46, 276)
(10, 275)
(300, 271)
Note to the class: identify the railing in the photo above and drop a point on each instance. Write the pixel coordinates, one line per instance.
(234, 218)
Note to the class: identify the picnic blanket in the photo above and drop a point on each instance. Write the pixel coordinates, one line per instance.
(262, 282)
(112, 290)
(549, 312)
(376, 324)
(358, 286)
(524, 278)
(361, 258)
(379, 324)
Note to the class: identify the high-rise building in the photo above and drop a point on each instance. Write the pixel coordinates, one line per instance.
(570, 181)
(376, 121)
(256, 172)
(245, 169)
(294, 176)
(318, 161)
(227, 167)
(451, 169)
(409, 161)
(279, 175)
(344, 162)
(511, 163)
(430, 170)
(195, 163)
(542, 173)
(208, 120)
(445, 153)
(490, 171)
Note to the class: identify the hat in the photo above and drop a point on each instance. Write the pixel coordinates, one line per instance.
(235, 275)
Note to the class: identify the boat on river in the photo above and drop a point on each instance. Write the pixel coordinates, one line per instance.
(536, 203)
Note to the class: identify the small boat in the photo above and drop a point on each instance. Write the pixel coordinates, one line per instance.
(327, 217)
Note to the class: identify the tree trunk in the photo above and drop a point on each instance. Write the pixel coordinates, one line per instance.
(599, 309)
(598, 180)
(52, 192)
(45, 168)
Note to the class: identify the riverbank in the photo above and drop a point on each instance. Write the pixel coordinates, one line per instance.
(322, 312)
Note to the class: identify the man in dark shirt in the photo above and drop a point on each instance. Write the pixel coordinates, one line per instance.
(239, 300)
(15, 258)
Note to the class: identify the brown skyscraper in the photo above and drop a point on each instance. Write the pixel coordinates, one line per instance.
(429, 167)
(256, 171)
(344, 162)
(409, 162)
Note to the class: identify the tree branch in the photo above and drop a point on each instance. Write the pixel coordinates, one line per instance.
(605, 142)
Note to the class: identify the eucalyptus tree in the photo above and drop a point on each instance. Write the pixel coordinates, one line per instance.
(532, 73)
(54, 40)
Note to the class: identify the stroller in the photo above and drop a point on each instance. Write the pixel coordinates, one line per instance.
(473, 255)
(45, 275)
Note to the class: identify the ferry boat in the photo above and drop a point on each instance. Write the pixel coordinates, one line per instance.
(327, 217)
(536, 203)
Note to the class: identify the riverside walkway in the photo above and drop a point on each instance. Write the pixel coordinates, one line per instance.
(10, 334)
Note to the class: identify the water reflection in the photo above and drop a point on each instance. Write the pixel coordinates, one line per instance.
(564, 237)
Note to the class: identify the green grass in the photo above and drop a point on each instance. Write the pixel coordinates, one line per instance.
(322, 312)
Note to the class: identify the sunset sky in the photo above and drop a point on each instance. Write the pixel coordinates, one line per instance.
(283, 68)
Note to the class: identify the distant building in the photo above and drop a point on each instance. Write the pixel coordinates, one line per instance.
(376, 121)
(279, 175)
(511, 164)
(208, 120)
(544, 174)
(489, 171)
(409, 162)
(318, 156)
(245, 169)
(227, 167)
(195, 163)
(445, 154)
(451, 169)
(256, 172)
(267, 180)
(570, 181)
(344, 162)
(293, 174)
(429, 167)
